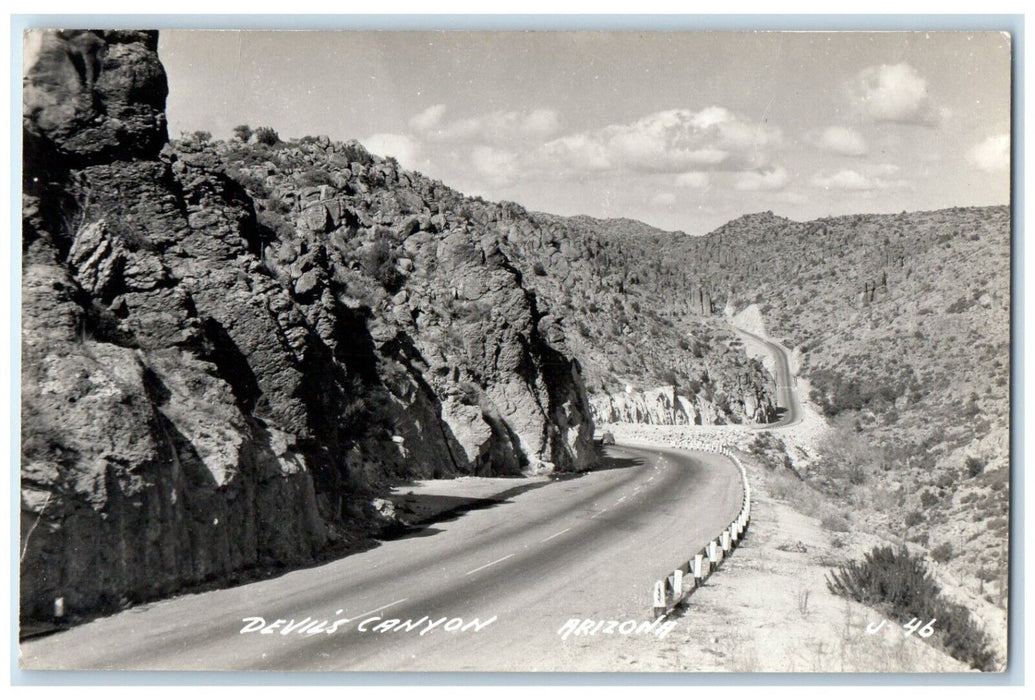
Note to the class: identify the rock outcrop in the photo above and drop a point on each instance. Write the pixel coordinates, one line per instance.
(92, 96)
(203, 394)
(668, 405)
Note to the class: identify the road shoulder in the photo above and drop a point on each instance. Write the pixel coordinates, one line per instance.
(768, 608)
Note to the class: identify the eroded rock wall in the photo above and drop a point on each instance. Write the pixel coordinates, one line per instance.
(201, 395)
(667, 405)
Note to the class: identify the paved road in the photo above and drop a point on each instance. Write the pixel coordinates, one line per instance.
(786, 386)
(585, 547)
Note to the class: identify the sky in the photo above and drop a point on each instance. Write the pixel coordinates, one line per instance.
(682, 130)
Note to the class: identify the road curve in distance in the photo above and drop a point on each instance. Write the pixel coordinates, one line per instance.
(786, 384)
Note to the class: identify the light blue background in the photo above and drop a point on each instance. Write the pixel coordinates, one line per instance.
(1014, 24)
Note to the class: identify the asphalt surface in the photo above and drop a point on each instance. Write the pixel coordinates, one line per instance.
(586, 547)
(786, 386)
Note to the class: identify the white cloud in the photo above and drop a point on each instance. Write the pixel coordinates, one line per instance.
(992, 154)
(672, 141)
(843, 140)
(790, 197)
(429, 119)
(772, 179)
(693, 179)
(844, 180)
(663, 199)
(854, 181)
(402, 147)
(883, 169)
(498, 166)
(541, 123)
(493, 128)
(893, 93)
(579, 152)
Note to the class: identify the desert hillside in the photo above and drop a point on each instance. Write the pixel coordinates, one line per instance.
(608, 295)
(901, 324)
(232, 350)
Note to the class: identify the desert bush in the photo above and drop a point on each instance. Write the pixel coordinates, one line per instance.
(314, 177)
(928, 499)
(900, 584)
(377, 261)
(267, 136)
(356, 153)
(914, 518)
(835, 522)
(255, 185)
(668, 377)
(920, 538)
(974, 466)
(242, 132)
(942, 553)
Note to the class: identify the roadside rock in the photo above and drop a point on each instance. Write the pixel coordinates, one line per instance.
(668, 405)
(92, 96)
(203, 394)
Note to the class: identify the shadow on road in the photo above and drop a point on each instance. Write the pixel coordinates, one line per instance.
(419, 513)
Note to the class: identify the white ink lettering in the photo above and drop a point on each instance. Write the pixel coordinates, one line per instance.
(253, 624)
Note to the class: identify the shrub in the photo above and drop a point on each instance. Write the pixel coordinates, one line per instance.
(835, 522)
(914, 518)
(356, 153)
(242, 132)
(900, 584)
(378, 262)
(974, 466)
(314, 177)
(856, 475)
(267, 136)
(668, 377)
(255, 185)
(942, 553)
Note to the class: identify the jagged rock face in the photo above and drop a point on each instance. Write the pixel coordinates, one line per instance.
(93, 96)
(666, 405)
(202, 395)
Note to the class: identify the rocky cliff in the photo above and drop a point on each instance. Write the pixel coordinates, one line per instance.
(669, 405)
(206, 388)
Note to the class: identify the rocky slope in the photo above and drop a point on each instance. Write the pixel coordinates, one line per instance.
(901, 323)
(668, 405)
(609, 295)
(203, 394)
(630, 315)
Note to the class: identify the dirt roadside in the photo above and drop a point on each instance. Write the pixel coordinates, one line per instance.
(768, 608)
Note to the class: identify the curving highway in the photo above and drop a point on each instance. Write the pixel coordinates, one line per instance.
(506, 579)
(786, 384)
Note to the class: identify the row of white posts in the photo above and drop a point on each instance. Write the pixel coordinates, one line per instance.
(692, 573)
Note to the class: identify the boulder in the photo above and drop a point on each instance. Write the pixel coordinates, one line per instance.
(92, 97)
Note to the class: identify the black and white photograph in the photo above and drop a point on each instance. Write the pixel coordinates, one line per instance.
(589, 351)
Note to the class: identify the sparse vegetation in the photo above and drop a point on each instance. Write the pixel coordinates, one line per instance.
(267, 136)
(899, 583)
(902, 327)
(378, 262)
(835, 522)
(942, 553)
(974, 466)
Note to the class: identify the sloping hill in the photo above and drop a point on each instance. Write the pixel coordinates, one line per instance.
(901, 323)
